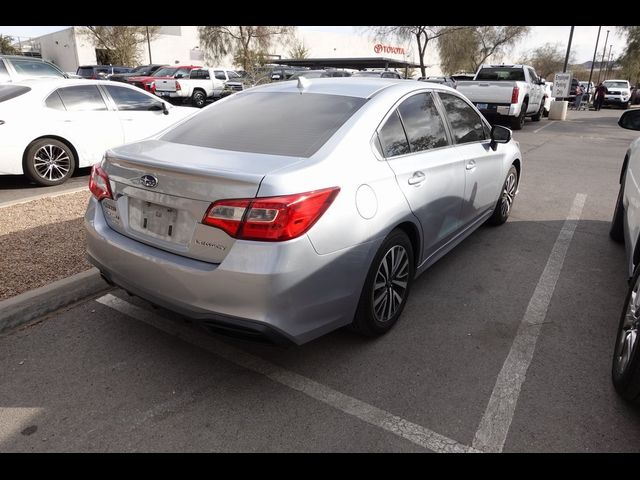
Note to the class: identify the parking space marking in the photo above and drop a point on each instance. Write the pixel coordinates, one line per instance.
(541, 128)
(368, 413)
(494, 426)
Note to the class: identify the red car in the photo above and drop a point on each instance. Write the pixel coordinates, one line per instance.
(147, 83)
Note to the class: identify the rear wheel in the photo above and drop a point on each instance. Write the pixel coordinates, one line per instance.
(49, 162)
(386, 287)
(625, 369)
(198, 99)
(518, 122)
(507, 197)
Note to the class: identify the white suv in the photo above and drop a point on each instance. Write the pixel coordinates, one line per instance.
(619, 93)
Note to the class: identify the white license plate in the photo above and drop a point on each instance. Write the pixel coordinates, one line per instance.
(481, 106)
(156, 220)
(165, 94)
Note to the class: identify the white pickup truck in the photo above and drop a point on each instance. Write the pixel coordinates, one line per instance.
(202, 84)
(513, 91)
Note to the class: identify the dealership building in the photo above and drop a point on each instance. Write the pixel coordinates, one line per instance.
(173, 45)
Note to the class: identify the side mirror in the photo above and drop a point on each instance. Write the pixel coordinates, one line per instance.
(159, 106)
(499, 134)
(630, 120)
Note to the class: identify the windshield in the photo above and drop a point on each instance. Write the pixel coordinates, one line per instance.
(36, 68)
(233, 74)
(296, 125)
(366, 74)
(616, 84)
(499, 74)
(165, 72)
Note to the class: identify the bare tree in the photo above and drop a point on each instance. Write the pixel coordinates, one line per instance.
(121, 43)
(630, 59)
(247, 45)
(546, 59)
(468, 48)
(6, 45)
(298, 51)
(421, 34)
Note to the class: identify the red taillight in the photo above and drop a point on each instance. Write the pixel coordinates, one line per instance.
(178, 87)
(272, 219)
(99, 183)
(515, 94)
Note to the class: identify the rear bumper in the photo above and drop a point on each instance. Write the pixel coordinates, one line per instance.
(283, 290)
(498, 109)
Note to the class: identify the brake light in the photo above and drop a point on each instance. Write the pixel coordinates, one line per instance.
(99, 183)
(515, 94)
(271, 219)
(178, 87)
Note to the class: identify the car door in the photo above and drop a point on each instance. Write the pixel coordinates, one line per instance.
(429, 172)
(219, 79)
(141, 114)
(87, 122)
(482, 165)
(535, 97)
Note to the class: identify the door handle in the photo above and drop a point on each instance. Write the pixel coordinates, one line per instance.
(471, 164)
(417, 178)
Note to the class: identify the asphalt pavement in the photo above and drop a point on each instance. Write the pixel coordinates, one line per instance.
(115, 374)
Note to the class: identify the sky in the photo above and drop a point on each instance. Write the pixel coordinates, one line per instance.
(582, 45)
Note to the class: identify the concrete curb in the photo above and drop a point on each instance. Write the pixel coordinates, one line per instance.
(38, 302)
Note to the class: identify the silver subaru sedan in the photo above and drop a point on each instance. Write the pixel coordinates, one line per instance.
(289, 210)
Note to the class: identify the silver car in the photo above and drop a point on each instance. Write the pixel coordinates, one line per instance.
(625, 227)
(296, 208)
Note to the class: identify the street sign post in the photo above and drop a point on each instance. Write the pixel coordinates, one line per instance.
(562, 85)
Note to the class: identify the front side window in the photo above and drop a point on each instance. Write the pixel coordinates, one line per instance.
(182, 73)
(82, 98)
(392, 137)
(466, 124)
(296, 125)
(129, 99)
(219, 74)
(422, 123)
(36, 68)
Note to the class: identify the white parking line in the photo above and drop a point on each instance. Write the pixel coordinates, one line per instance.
(541, 128)
(44, 195)
(494, 426)
(368, 413)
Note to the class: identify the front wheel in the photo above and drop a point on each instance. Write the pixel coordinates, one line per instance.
(49, 162)
(507, 197)
(625, 369)
(386, 287)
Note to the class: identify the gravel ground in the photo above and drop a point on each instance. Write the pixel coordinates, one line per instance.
(42, 241)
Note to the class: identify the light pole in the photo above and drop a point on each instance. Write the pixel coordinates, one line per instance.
(566, 59)
(595, 52)
(606, 70)
(603, 52)
(149, 44)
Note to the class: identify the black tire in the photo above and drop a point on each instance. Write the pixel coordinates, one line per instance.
(616, 231)
(625, 106)
(48, 162)
(625, 367)
(370, 318)
(198, 99)
(518, 122)
(507, 197)
(538, 116)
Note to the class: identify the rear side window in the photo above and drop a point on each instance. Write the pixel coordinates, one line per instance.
(392, 137)
(422, 123)
(36, 68)
(287, 124)
(7, 92)
(200, 74)
(82, 98)
(466, 124)
(130, 99)
(54, 101)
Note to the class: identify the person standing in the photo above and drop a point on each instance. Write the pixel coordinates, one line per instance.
(578, 100)
(601, 90)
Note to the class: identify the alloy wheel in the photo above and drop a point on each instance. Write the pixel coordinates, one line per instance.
(51, 162)
(628, 335)
(508, 194)
(390, 284)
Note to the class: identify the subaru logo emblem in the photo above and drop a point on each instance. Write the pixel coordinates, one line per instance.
(149, 181)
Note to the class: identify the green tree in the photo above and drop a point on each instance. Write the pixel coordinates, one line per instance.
(467, 48)
(630, 58)
(121, 43)
(248, 45)
(421, 34)
(6, 45)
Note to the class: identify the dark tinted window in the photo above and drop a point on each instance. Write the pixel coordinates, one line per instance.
(82, 98)
(165, 72)
(392, 137)
(466, 124)
(85, 72)
(422, 123)
(54, 101)
(36, 68)
(7, 92)
(501, 73)
(200, 74)
(220, 75)
(130, 99)
(4, 75)
(295, 125)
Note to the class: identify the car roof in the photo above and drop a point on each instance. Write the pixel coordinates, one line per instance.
(363, 87)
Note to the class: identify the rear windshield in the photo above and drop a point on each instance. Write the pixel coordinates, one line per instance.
(497, 74)
(85, 71)
(287, 124)
(7, 92)
(165, 72)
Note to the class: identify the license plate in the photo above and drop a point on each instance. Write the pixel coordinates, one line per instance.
(156, 220)
(481, 106)
(165, 94)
